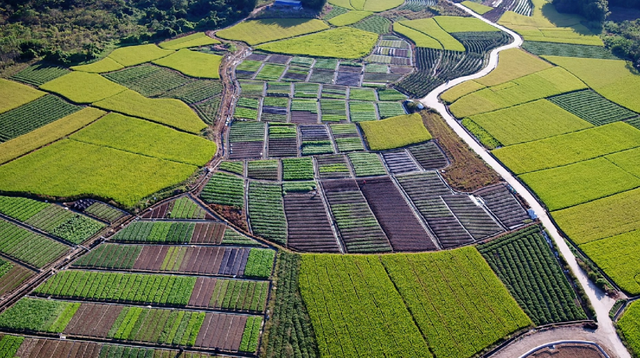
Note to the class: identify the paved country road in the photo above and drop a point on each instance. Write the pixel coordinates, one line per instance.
(602, 303)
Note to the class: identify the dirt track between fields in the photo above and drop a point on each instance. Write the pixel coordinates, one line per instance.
(606, 333)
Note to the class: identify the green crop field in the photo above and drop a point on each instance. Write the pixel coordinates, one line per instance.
(616, 256)
(628, 160)
(192, 63)
(39, 315)
(135, 55)
(545, 83)
(266, 211)
(584, 223)
(366, 164)
(349, 18)
(224, 189)
(82, 87)
(528, 122)
(527, 266)
(395, 132)
(578, 183)
(477, 7)
(256, 32)
(620, 85)
(376, 24)
(419, 38)
(453, 24)
(196, 40)
(463, 89)
(343, 42)
(147, 138)
(13, 95)
(583, 145)
(69, 168)
(567, 50)
(513, 64)
(479, 310)
(104, 65)
(40, 73)
(592, 107)
(171, 112)
(431, 28)
(297, 169)
(629, 327)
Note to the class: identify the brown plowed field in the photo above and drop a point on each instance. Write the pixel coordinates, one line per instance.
(222, 331)
(44, 348)
(93, 320)
(14, 278)
(394, 215)
(309, 227)
(214, 260)
(202, 292)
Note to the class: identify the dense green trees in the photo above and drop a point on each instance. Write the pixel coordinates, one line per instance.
(624, 40)
(593, 10)
(67, 31)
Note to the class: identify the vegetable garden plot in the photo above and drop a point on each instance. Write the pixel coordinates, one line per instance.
(283, 140)
(306, 90)
(247, 108)
(36, 315)
(202, 260)
(11, 276)
(333, 110)
(390, 109)
(425, 192)
(376, 24)
(309, 229)
(362, 111)
(296, 74)
(400, 162)
(529, 269)
(397, 219)
(281, 59)
(233, 295)
(472, 216)
(567, 50)
(99, 210)
(456, 292)
(266, 211)
(429, 155)
(246, 140)
(451, 64)
(40, 73)
(232, 167)
(341, 292)
(156, 232)
(149, 80)
(504, 206)
(263, 169)
(33, 115)
(208, 109)
(349, 79)
(181, 208)
(592, 107)
(390, 94)
(270, 72)
(304, 111)
(332, 167)
(349, 144)
(315, 140)
(278, 89)
(65, 224)
(358, 227)
(366, 164)
(322, 76)
(297, 169)
(381, 77)
(252, 88)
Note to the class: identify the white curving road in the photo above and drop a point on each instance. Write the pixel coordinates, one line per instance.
(601, 303)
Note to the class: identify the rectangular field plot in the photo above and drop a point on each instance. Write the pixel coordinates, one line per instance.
(181, 208)
(40, 73)
(400, 162)
(472, 216)
(297, 169)
(455, 292)
(334, 92)
(578, 146)
(429, 155)
(567, 50)
(315, 140)
(529, 122)
(308, 223)
(322, 76)
(504, 206)
(333, 110)
(397, 219)
(149, 80)
(99, 210)
(549, 297)
(11, 276)
(252, 88)
(246, 140)
(581, 182)
(592, 107)
(332, 167)
(270, 72)
(202, 260)
(233, 295)
(342, 291)
(390, 109)
(283, 140)
(296, 74)
(584, 223)
(224, 189)
(357, 225)
(266, 211)
(366, 164)
(171, 232)
(33, 115)
(362, 111)
(616, 256)
(263, 169)
(425, 190)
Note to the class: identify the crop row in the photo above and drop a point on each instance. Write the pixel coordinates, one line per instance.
(263, 169)
(224, 189)
(260, 263)
(297, 169)
(366, 164)
(266, 211)
(120, 287)
(524, 261)
(111, 257)
(156, 232)
(104, 212)
(149, 80)
(27, 246)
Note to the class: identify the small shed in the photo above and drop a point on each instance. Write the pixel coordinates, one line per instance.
(288, 4)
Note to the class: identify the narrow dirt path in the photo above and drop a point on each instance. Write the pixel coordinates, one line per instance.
(602, 303)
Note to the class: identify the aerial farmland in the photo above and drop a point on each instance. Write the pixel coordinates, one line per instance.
(319, 178)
